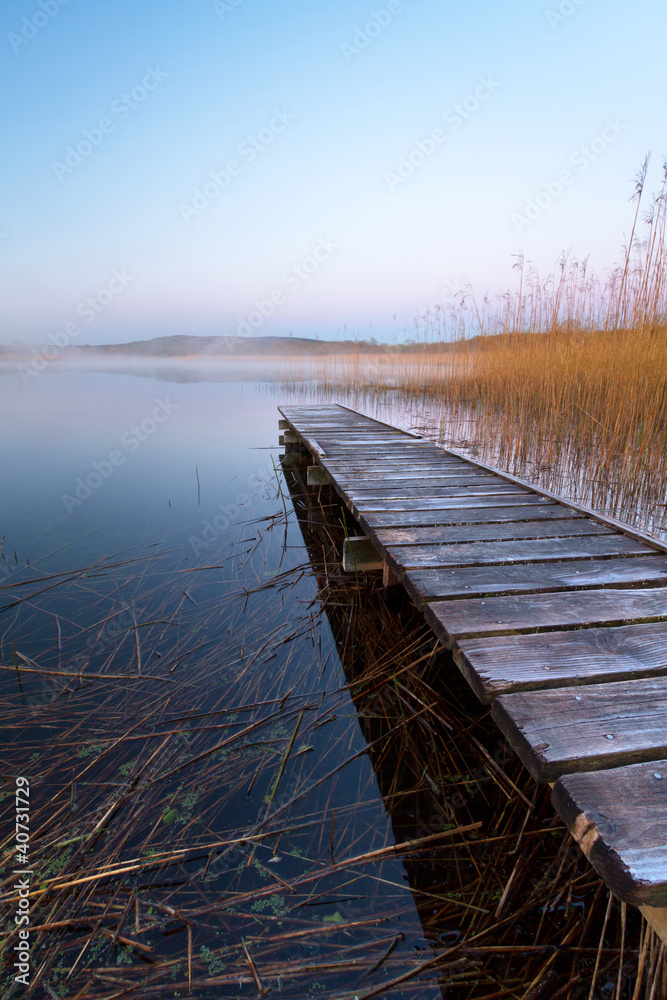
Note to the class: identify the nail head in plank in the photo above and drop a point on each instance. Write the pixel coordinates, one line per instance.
(593, 727)
(506, 664)
(619, 819)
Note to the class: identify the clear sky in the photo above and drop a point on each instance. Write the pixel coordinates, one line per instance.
(400, 140)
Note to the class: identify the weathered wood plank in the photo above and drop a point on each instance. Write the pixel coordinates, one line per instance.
(359, 463)
(452, 620)
(570, 524)
(619, 819)
(589, 728)
(424, 585)
(399, 469)
(426, 479)
(537, 510)
(450, 498)
(377, 443)
(434, 492)
(394, 457)
(404, 557)
(509, 663)
(388, 451)
(478, 500)
(375, 431)
(385, 448)
(343, 431)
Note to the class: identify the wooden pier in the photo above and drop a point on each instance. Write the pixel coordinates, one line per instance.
(555, 615)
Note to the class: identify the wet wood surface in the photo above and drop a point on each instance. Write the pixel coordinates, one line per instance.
(619, 819)
(428, 585)
(505, 664)
(587, 728)
(534, 550)
(555, 615)
(543, 612)
(498, 532)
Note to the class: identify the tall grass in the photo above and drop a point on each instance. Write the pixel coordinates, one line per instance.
(563, 380)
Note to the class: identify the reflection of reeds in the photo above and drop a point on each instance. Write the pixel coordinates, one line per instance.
(563, 382)
(182, 818)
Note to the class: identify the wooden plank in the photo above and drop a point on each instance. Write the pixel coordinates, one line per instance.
(371, 431)
(363, 439)
(399, 456)
(475, 499)
(596, 726)
(525, 550)
(464, 515)
(359, 464)
(509, 663)
(388, 451)
(570, 524)
(619, 819)
(452, 620)
(348, 470)
(427, 478)
(434, 492)
(311, 426)
(530, 578)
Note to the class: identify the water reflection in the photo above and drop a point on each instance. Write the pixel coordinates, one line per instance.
(226, 739)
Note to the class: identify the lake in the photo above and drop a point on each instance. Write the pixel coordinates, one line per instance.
(228, 743)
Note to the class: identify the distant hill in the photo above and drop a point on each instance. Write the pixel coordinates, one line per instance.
(188, 346)
(184, 346)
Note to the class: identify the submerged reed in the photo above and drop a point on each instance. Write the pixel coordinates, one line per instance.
(297, 793)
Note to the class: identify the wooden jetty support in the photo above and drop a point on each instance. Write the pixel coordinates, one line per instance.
(556, 616)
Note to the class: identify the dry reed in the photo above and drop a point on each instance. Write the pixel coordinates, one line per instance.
(563, 382)
(212, 826)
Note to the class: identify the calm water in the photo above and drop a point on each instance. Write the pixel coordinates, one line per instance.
(218, 728)
(169, 685)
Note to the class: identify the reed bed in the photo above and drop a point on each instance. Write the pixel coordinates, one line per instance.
(562, 381)
(253, 774)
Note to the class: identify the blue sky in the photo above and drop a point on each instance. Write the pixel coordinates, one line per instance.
(117, 113)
